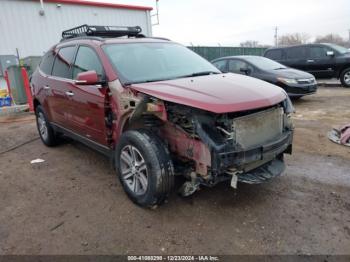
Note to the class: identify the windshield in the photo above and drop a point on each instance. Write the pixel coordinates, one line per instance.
(339, 49)
(264, 63)
(148, 62)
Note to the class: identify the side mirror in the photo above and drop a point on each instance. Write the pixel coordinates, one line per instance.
(330, 53)
(247, 71)
(87, 78)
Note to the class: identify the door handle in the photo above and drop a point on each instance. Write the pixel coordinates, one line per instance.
(69, 93)
(310, 61)
(47, 87)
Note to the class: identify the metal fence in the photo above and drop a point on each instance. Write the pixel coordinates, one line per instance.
(212, 52)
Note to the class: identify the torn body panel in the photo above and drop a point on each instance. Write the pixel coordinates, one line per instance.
(123, 104)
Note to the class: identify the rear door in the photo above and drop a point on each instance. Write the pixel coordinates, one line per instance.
(87, 102)
(296, 57)
(58, 84)
(319, 64)
(41, 81)
(275, 54)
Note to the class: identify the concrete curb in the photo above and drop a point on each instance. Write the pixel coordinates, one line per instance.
(13, 110)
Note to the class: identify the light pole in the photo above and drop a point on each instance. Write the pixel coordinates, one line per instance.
(276, 36)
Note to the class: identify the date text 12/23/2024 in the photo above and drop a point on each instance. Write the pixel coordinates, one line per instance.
(173, 258)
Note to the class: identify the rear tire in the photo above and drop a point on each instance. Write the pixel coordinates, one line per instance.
(46, 132)
(144, 167)
(345, 77)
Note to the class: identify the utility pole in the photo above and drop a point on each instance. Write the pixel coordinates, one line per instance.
(276, 36)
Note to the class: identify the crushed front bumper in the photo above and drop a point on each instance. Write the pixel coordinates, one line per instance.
(270, 155)
(266, 151)
(263, 173)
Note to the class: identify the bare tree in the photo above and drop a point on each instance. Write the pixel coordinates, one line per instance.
(332, 38)
(293, 39)
(250, 43)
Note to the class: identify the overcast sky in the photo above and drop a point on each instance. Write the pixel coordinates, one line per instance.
(229, 22)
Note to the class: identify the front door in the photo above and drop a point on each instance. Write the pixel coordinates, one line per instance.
(319, 63)
(87, 102)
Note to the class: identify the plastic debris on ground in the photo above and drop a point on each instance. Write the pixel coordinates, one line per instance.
(36, 161)
(341, 135)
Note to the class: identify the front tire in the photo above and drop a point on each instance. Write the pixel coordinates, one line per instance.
(144, 167)
(46, 132)
(345, 77)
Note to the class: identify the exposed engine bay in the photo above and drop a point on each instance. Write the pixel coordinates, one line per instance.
(238, 142)
(208, 148)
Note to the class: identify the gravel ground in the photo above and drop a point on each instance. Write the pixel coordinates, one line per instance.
(74, 204)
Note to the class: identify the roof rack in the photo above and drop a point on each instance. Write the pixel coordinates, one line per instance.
(103, 31)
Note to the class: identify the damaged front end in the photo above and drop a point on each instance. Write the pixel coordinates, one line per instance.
(208, 148)
(242, 146)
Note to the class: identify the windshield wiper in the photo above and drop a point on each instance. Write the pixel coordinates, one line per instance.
(203, 73)
(146, 81)
(279, 68)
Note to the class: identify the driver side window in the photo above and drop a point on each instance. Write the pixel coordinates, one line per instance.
(235, 66)
(87, 60)
(318, 52)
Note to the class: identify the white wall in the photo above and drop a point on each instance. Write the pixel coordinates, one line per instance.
(22, 27)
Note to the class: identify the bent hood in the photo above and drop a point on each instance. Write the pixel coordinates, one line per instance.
(220, 93)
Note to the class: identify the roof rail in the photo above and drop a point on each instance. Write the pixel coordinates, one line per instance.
(97, 38)
(102, 31)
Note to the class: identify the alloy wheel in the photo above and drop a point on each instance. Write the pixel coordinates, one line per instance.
(134, 170)
(347, 78)
(42, 126)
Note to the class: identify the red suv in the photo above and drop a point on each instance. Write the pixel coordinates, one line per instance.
(158, 110)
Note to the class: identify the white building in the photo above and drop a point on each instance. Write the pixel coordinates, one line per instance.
(31, 28)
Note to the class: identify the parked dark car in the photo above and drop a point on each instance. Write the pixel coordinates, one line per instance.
(321, 60)
(295, 82)
(159, 110)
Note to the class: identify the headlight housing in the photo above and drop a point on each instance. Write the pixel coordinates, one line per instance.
(287, 80)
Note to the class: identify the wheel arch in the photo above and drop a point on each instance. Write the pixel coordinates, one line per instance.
(340, 71)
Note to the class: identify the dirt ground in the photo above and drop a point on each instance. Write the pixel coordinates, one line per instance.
(74, 204)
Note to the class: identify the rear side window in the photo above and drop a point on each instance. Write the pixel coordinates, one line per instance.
(274, 54)
(87, 60)
(296, 52)
(221, 65)
(63, 61)
(47, 62)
